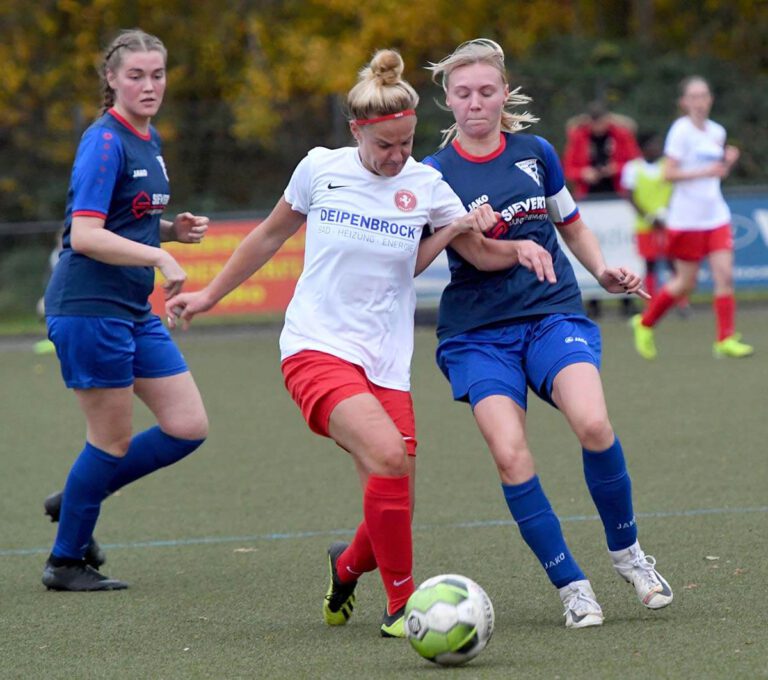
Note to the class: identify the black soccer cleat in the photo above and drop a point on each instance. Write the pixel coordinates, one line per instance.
(94, 556)
(339, 601)
(79, 577)
(393, 625)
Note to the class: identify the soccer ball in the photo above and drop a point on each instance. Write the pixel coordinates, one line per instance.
(449, 619)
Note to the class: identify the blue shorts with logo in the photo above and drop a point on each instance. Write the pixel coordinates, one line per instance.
(96, 351)
(506, 360)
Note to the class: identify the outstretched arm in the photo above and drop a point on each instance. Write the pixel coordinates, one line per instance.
(486, 254)
(253, 252)
(477, 221)
(583, 243)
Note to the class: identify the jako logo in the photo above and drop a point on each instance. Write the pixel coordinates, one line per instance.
(548, 564)
(572, 338)
(626, 525)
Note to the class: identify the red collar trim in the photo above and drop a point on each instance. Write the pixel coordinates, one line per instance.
(481, 159)
(124, 122)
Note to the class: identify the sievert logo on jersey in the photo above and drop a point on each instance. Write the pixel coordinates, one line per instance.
(515, 214)
(405, 200)
(142, 205)
(529, 167)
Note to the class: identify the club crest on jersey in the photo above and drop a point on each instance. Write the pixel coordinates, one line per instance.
(405, 200)
(528, 166)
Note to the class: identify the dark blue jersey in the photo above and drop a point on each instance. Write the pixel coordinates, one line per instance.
(118, 175)
(522, 180)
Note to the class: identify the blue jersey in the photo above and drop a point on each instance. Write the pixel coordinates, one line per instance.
(118, 175)
(522, 180)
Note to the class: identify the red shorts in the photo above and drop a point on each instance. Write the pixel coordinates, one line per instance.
(318, 382)
(652, 245)
(696, 245)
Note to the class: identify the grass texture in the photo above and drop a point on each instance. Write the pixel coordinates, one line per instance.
(225, 552)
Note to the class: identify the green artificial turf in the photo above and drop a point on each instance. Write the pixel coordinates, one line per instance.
(225, 552)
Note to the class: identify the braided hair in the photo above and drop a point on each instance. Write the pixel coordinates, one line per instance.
(133, 40)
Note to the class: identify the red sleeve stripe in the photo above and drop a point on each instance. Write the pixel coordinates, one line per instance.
(571, 218)
(89, 213)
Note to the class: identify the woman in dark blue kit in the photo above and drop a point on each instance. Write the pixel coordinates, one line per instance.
(500, 333)
(110, 345)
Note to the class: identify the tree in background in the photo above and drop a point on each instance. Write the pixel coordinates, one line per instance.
(256, 82)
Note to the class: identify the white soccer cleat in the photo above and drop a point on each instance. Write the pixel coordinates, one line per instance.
(639, 569)
(581, 608)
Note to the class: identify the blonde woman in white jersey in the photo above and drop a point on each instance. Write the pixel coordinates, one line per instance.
(699, 221)
(348, 337)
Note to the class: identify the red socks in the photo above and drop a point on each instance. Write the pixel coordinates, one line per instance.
(657, 308)
(387, 513)
(358, 558)
(725, 314)
(651, 283)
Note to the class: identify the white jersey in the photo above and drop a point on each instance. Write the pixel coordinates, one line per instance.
(696, 203)
(356, 298)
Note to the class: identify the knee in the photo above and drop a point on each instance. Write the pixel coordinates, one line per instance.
(724, 283)
(389, 460)
(680, 287)
(514, 463)
(192, 428)
(595, 433)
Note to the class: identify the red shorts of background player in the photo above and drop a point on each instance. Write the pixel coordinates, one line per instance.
(696, 245)
(318, 382)
(652, 245)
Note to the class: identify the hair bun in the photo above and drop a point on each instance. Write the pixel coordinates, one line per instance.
(387, 67)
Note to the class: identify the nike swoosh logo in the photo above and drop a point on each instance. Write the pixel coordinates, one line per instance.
(397, 583)
(331, 185)
(353, 572)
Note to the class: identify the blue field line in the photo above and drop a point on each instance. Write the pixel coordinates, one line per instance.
(292, 535)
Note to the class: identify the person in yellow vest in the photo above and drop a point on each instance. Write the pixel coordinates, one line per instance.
(649, 193)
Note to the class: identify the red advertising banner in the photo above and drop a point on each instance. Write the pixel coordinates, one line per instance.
(268, 290)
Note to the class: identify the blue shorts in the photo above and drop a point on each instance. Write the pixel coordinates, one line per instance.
(96, 351)
(508, 359)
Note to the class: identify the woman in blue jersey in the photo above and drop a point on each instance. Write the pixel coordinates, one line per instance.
(111, 347)
(501, 333)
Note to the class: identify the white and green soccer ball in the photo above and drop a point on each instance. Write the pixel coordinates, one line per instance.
(449, 619)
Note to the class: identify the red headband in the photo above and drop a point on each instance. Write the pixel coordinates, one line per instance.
(389, 116)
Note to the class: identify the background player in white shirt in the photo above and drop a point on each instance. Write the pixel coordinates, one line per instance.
(348, 337)
(698, 222)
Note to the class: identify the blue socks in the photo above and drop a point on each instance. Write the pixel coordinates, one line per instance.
(611, 489)
(96, 474)
(86, 487)
(149, 451)
(541, 530)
